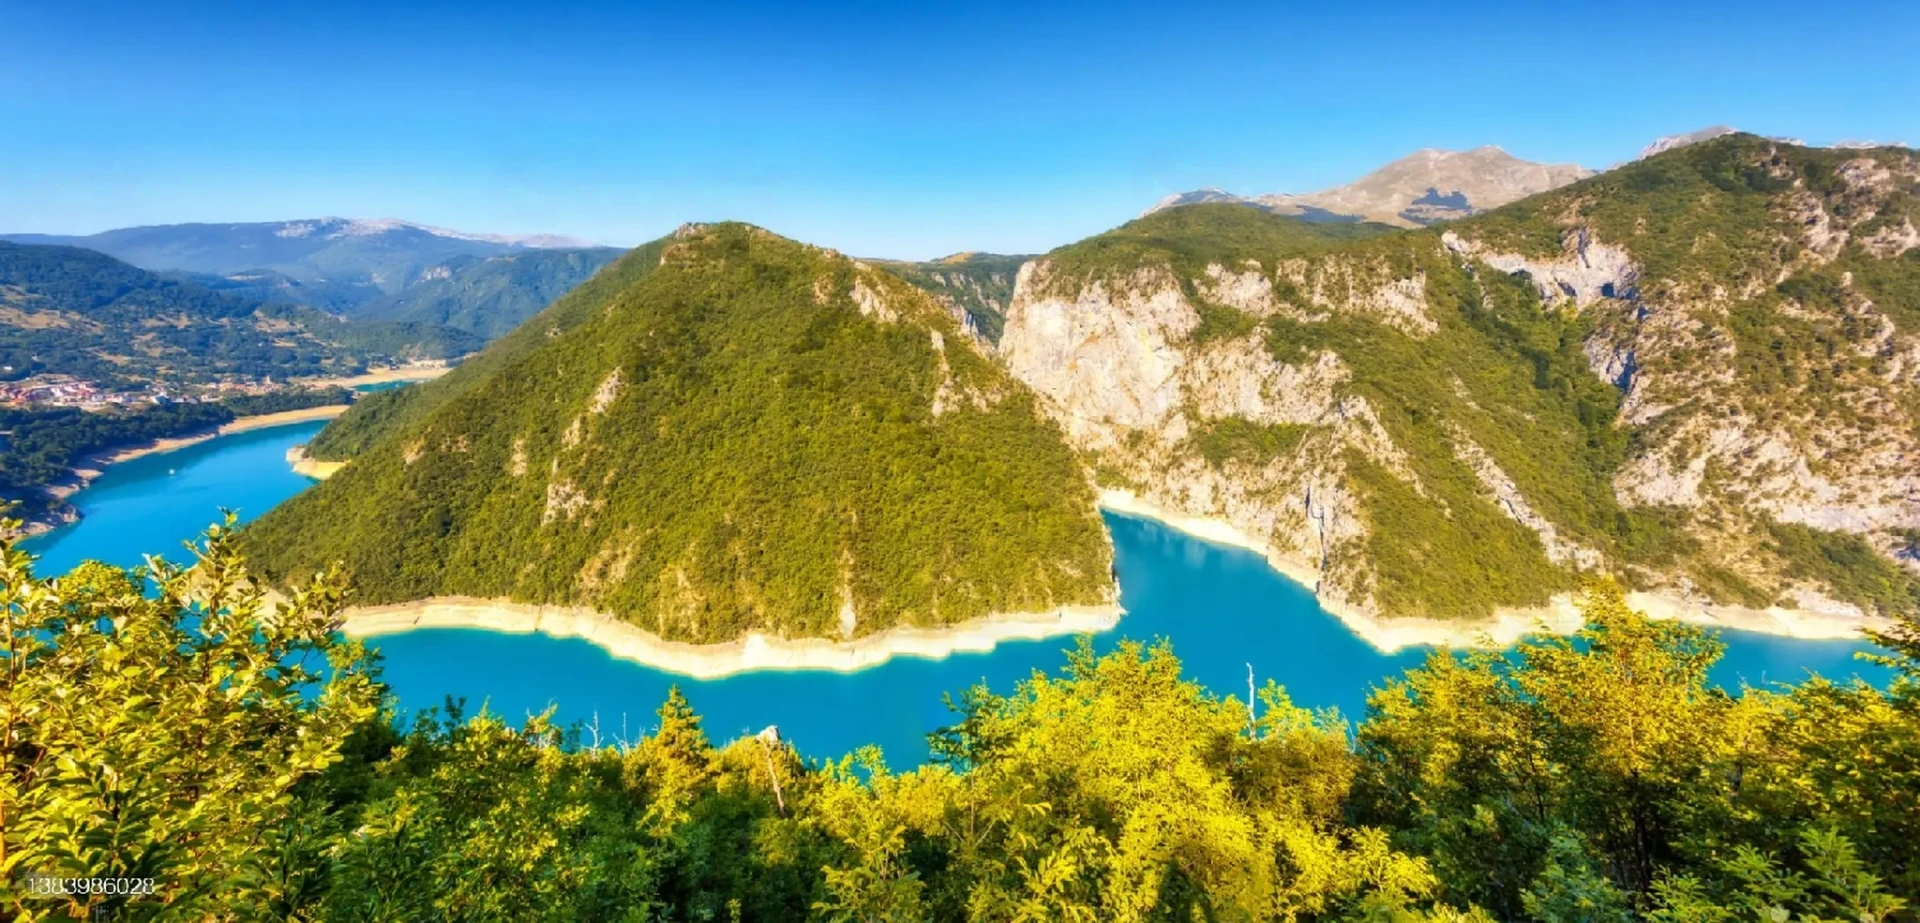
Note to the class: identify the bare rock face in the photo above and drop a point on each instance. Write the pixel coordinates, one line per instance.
(1114, 365)
(1586, 271)
(1672, 142)
(1768, 371)
(1421, 188)
(1105, 358)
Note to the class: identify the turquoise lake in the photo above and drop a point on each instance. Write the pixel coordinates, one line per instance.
(1223, 608)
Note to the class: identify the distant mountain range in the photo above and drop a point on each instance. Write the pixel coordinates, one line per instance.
(1432, 185)
(74, 311)
(388, 254)
(380, 270)
(1421, 188)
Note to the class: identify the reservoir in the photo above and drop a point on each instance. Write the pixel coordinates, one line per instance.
(1222, 608)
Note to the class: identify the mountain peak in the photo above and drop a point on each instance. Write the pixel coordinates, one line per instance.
(1670, 142)
(1428, 185)
(727, 431)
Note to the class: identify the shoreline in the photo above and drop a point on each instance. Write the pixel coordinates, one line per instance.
(1507, 625)
(311, 467)
(92, 466)
(239, 425)
(753, 652)
(423, 372)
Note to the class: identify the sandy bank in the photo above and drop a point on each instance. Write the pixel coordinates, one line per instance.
(756, 651)
(239, 425)
(1506, 626)
(311, 467)
(421, 372)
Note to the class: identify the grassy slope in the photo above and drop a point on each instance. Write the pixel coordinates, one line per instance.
(766, 455)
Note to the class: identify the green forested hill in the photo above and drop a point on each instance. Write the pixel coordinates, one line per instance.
(384, 413)
(753, 434)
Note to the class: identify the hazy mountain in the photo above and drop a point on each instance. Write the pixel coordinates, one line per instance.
(750, 434)
(280, 288)
(1424, 187)
(76, 311)
(1672, 142)
(387, 254)
(487, 295)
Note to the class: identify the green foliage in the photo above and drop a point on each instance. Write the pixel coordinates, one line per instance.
(1523, 777)
(385, 413)
(191, 737)
(169, 736)
(726, 444)
(1754, 886)
(980, 284)
(1188, 239)
(1237, 439)
(1219, 322)
(1847, 566)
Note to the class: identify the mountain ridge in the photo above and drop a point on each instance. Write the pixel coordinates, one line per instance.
(749, 434)
(1421, 188)
(385, 253)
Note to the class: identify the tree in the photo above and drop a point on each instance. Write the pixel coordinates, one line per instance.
(166, 736)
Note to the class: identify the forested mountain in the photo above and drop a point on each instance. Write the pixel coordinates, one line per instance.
(280, 288)
(487, 296)
(1695, 372)
(74, 311)
(1598, 779)
(751, 434)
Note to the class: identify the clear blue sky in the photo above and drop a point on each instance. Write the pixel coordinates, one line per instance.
(874, 129)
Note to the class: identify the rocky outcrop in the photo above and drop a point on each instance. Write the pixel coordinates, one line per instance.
(1114, 365)
(1586, 271)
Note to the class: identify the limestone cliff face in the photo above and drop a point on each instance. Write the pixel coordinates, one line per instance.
(1763, 336)
(1114, 364)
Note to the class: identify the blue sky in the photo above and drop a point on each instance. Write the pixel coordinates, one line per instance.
(877, 129)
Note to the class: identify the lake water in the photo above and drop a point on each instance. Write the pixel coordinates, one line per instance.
(1222, 607)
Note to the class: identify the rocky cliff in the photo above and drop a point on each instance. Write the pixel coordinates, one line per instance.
(1699, 373)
